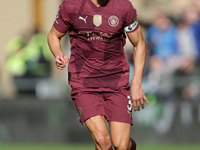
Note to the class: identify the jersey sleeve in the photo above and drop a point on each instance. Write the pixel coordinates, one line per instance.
(62, 20)
(131, 23)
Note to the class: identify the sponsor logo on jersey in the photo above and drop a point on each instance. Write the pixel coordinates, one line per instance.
(113, 21)
(97, 20)
(96, 35)
(84, 19)
(131, 27)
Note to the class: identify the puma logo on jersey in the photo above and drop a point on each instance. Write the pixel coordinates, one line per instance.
(84, 19)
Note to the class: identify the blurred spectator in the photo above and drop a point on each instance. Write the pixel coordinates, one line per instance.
(162, 35)
(188, 47)
(195, 24)
(28, 56)
(186, 38)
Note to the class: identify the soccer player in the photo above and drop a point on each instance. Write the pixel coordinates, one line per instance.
(98, 70)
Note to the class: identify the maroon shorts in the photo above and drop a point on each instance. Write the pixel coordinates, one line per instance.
(114, 105)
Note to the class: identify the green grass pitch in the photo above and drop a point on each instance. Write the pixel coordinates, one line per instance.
(91, 147)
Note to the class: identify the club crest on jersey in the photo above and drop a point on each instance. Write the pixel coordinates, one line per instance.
(97, 20)
(113, 21)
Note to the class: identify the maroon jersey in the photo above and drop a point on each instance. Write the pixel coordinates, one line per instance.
(97, 38)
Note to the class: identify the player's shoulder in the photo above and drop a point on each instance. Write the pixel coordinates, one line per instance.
(69, 2)
(126, 2)
(70, 5)
(124, 5)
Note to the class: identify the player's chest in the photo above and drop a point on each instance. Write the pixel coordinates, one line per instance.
(97, 21)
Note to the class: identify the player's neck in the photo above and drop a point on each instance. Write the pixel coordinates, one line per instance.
(98, 2)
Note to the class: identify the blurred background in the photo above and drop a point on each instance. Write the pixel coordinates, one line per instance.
(35, 103)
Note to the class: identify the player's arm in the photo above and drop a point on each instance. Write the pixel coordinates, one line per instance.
(54, 38)
(139, 57)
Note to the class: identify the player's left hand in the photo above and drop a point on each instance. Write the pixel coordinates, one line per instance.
(138, 97)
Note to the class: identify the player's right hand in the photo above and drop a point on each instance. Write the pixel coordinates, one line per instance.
(61, 59)
(138, 97)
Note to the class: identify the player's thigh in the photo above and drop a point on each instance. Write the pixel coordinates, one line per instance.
(98, 128)
(88, 104)
(118, 106)
(120, 133)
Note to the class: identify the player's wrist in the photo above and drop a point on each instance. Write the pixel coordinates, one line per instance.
(136, 82)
